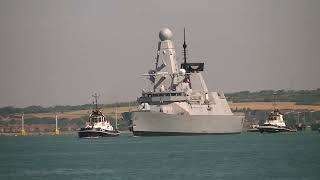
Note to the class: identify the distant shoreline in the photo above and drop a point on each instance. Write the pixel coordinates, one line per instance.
(50, 133)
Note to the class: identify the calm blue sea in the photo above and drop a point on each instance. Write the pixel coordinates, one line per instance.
(242, 156)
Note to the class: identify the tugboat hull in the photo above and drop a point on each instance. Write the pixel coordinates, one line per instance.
(97, 133)
(253, 130)
(273, 129)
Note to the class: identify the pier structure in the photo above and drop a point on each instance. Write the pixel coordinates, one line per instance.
(56, 132)
(23, 132)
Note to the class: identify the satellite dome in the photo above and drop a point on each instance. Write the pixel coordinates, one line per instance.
(165, 34)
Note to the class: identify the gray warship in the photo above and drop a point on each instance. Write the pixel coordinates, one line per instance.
(178, 101)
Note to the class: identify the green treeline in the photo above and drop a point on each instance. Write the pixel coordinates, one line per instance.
(64, 122)
(47, 120)
(9, 110)
(307, 97)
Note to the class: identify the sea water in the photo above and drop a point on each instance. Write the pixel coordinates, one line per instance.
(241, 156)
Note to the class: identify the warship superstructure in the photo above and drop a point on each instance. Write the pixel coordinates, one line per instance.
(178, 101)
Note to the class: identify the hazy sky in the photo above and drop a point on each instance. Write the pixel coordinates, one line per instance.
(60, 52)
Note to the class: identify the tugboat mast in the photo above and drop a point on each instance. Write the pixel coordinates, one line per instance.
(274, 101)
(95, 95)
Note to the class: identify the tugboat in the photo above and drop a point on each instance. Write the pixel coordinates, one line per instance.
(275, 122)
(97, 125)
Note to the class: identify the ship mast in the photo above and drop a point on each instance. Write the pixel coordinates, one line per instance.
(185, 66)
(95, 95)
(274, 101)
(184, 49)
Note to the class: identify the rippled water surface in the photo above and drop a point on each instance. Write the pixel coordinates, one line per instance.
(242, 156)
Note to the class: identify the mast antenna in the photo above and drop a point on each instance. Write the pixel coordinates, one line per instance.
(95, 95)
(184, 48)
(274, 101)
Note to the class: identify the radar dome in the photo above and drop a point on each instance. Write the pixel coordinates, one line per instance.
(182, 72)
(165, 34)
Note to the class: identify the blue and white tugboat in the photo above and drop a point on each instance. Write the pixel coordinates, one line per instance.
(275, 122)
(97, 125)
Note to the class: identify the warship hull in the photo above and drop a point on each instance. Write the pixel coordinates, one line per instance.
(161, 124)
